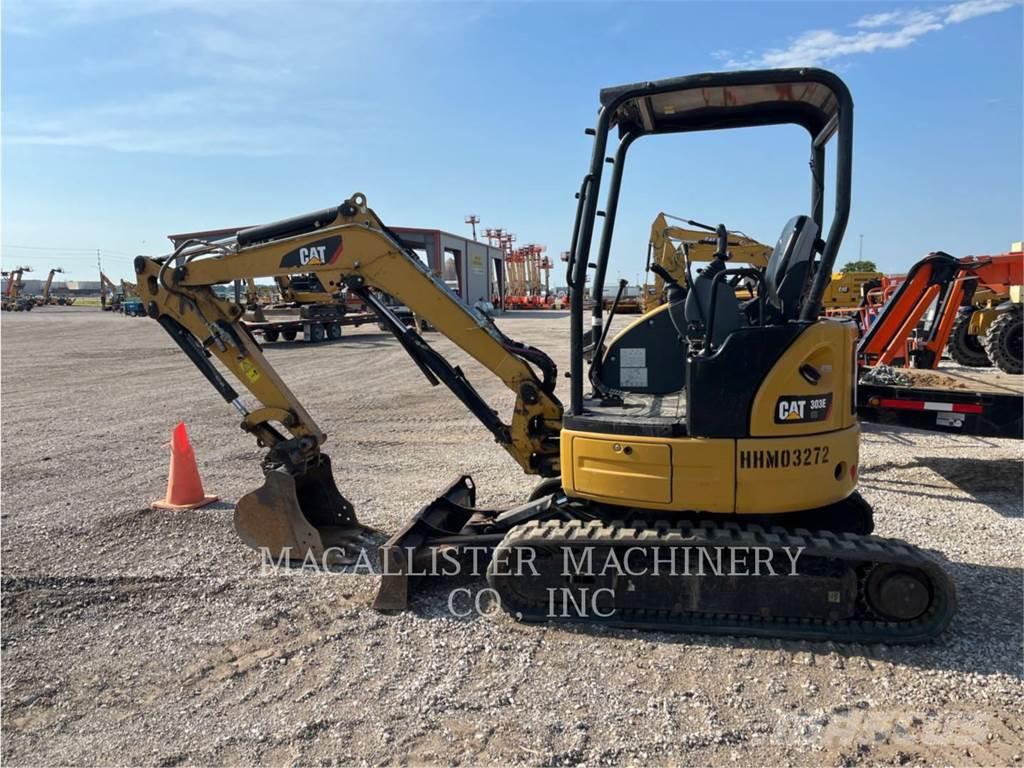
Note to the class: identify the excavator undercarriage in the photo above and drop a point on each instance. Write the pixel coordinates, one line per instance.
(726, 503)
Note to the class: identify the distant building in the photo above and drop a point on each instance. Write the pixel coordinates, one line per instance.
(82, 286)
(470, 268)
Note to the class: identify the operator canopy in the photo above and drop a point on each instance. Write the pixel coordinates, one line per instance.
(807, 97)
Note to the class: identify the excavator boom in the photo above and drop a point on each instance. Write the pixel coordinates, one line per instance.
(675, 248)
(299, 507)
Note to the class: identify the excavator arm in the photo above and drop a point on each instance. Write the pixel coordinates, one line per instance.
(344, 247)
(674, 248)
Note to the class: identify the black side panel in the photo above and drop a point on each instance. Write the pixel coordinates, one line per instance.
(297, 225)
(721, 388)
(655, 358)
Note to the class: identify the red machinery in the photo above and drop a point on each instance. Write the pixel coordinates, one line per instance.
(527, 272)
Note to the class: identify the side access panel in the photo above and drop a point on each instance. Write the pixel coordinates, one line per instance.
(629, 471)
(650, 473)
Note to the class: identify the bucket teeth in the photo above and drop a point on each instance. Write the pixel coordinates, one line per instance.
(300, 516)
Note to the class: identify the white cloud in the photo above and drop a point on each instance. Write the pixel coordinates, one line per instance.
(875, 32)
(971, 8)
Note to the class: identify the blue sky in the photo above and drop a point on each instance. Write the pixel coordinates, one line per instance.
(125, 121)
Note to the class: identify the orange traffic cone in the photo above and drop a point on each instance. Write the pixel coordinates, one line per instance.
(184, 488)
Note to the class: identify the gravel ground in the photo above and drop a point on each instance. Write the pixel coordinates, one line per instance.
(140, 637)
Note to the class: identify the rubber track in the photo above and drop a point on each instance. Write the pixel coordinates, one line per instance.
(864, 627)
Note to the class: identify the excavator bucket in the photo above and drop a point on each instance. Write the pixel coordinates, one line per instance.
(301, 516)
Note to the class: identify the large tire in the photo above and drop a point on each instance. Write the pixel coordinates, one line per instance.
(288, 335)
(270, 335)
(316, 333)
(333, 331)
(965, 348)
(1004, 341)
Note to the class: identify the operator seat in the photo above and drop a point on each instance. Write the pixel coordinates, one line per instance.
(785, 280)
(785, 277)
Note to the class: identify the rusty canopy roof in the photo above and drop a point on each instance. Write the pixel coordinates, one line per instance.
(808, 97)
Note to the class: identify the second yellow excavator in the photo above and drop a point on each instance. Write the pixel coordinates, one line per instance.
(726, 505)
(674, 249)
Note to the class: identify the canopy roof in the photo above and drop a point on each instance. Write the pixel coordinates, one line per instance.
(808, 97)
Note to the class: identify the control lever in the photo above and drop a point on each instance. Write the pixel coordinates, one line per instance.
(722, 249)
(664, 274)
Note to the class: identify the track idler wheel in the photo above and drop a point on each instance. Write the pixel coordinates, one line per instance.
(292, 517)
(897, 593)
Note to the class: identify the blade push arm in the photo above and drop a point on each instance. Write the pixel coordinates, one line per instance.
(353, 249)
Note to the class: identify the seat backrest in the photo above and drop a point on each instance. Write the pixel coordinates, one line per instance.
(789, 267)
(698, 304)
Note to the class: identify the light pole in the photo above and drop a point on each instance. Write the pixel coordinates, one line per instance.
(473, 220)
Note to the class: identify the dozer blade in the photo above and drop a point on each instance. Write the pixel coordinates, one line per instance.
(438, 524)
(300, 516)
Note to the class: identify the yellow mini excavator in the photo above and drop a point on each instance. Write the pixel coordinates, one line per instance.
(724, 505)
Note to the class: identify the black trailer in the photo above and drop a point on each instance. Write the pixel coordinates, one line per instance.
(946, 401)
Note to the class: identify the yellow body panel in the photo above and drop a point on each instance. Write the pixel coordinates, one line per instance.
(639, 471)
(827, 347)
(981, 319)
(749, 476)
(787, 474)
(802, 451)
(693, 474)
